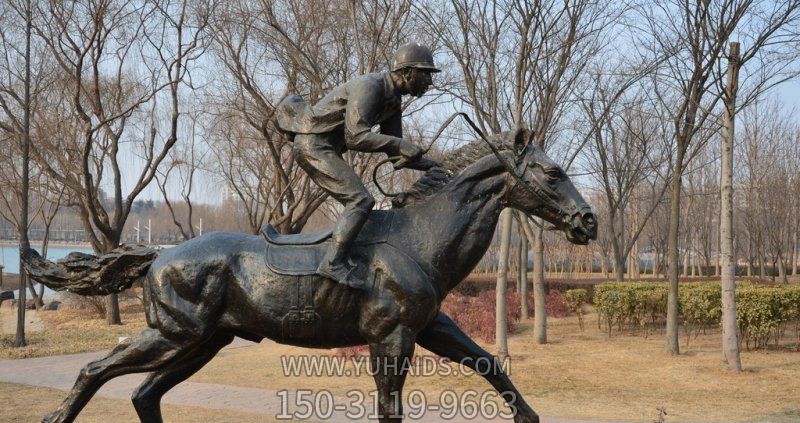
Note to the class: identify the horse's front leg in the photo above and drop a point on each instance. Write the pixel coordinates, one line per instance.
(444, 338)
(388, 363)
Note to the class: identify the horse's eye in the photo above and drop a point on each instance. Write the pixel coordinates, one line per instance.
(553, 172)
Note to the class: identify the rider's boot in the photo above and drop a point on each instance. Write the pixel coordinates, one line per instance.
(335, 264)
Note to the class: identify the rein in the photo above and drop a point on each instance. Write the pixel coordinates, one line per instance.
(509, 168)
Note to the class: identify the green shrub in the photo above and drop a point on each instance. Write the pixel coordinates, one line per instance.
(575, 300)
(763, 313)
(630, 304)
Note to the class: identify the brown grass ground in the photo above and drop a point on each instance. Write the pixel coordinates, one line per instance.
(25, 404)
(582, 375)
(70, 331)
(579, 374)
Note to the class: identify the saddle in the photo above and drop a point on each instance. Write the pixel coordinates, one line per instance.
(300, 254)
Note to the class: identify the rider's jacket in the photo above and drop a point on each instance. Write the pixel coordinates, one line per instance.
(355, 106)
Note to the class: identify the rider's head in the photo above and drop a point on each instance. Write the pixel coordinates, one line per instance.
(413, 68)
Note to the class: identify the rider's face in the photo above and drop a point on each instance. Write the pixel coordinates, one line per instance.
(419, 81)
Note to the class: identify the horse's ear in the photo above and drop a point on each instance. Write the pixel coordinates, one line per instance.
(522, 137)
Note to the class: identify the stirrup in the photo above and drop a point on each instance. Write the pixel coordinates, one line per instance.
(343, 275)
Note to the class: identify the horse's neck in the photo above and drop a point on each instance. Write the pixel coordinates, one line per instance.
(453, 229)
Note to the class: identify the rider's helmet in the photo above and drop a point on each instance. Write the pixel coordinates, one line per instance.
(413, 55)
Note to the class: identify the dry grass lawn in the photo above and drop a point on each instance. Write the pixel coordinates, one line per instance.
(582, 375)
(25, 404)
(71, 331)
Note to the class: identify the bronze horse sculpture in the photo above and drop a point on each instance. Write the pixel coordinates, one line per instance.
(204, 292)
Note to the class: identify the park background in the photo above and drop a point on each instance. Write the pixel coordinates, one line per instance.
(150, 122)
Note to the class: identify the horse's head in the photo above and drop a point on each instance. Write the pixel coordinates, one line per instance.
(544, 190)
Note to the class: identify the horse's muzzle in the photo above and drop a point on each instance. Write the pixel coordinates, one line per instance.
(582, 227)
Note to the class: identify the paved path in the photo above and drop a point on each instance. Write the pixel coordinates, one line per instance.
(59, 372)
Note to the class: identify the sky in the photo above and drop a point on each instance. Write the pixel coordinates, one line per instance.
(208, 189)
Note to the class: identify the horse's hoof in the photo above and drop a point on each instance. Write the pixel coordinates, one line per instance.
(520, 418)
(50, 418)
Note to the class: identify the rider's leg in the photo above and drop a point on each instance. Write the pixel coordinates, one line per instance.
(317, 155)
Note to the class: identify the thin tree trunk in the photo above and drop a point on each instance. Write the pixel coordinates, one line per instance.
(718, 261)
(604, 264)
(730, 334)
(112, 300)
(782, 270)
(673, 258)
(24, 243)
(539, 310)
(535, 239)
(501, 309)
(523, 271)
(686, 254)
(794, 255)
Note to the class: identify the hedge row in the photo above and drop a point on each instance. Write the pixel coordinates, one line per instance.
(763, 313)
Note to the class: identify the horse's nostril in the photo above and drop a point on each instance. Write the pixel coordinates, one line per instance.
(589, 219)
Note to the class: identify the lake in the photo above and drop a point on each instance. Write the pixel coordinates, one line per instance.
(9, 258)
(9, 255)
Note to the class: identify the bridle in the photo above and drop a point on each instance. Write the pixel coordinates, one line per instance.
(512, 171)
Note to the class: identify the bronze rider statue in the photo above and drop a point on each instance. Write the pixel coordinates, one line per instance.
(343, 120)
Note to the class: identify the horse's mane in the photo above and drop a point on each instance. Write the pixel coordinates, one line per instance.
(455, 162)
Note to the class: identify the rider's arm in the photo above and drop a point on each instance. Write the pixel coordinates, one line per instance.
(393, 126)
(364, 106)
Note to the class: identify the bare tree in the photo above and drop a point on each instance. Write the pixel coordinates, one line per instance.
(501, 291)
(521, 62)
(628, 151)
(94, 45)
(185, 161)
(691, 81)
(730, 335)
(16, 106)
(306, 48)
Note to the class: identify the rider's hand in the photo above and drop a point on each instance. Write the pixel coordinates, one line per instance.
(410, 151)
(423, 163)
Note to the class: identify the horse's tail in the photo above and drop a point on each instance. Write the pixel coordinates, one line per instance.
(86, 274)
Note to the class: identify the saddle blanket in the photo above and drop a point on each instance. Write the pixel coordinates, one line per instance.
(295, 254)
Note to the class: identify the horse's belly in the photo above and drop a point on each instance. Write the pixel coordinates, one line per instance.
(307, 311)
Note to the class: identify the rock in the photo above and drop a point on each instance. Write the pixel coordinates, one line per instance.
(51, 306)
(8, 303)
(6, 295)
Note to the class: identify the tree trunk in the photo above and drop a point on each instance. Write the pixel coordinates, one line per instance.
(794, 255)
(718, 261)
(730, 335)
(112, 300)
(686, 253)
(501, 309)
(539, 309)
(24, 243)
(522, 272)
(535, 239)
(673, 257)
(604, 264)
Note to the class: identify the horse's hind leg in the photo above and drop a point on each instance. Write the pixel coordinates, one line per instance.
(143, 353)
(147, 398)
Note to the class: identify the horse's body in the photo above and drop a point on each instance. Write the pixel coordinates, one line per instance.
(202, 293)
